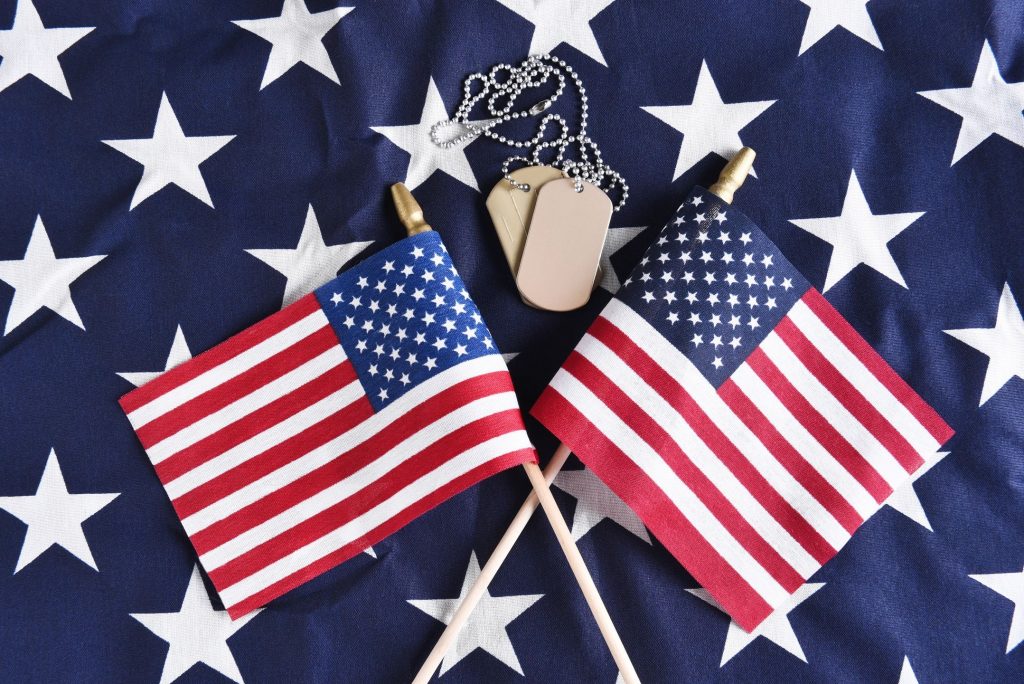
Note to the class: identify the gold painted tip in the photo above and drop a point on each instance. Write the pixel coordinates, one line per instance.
(733, 175)
(409, 211)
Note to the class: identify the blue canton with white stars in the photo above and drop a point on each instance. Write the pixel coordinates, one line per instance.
(713, 285)
(404, 316)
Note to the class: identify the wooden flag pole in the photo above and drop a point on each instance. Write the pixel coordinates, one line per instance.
(490, 569)
(730, 180)
(412, 218)
(579, 570)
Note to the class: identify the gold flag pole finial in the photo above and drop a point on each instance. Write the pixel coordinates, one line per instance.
(409, 211)
(733, 175)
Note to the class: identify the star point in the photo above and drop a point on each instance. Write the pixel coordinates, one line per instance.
(54, 516)
(776, 627)
(42, 280)
(424, 156)
(179, 354)
(1003, 344)
(296, 37)
(312, 263)
(487, 627)
(826, 15)
(556, 22)
(595, 502)
(170, 157)
(905, 499)
(708, 124)
(989, 106)
(1009, 585)
(617, 239)
(859, 236)
(196, 633)
(29, 48)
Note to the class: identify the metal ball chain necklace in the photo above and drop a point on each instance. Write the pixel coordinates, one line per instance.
(577, 156)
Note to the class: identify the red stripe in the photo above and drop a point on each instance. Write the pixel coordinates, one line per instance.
(848, 395)
(262, 464)
(738, 464)
(238, 387)
(425, 461)
(790, 458)
(661, 516)
(248, 426)
(224, 351)
(348, 462)
(662, 443)
(818, 425)
(906, 395)
(395, 523)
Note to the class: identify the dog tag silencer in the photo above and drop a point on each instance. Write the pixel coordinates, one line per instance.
(511, 208)
(563, 246)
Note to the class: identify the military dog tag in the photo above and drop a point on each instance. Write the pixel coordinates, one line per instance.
(511, 208)
(563, 246)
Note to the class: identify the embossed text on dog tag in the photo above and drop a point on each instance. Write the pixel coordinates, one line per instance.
(511, 208)
(563, 246)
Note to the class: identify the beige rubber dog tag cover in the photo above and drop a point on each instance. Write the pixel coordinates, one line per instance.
(563, 246)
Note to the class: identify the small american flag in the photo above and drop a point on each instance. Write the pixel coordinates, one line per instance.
(296, 444)
(728, 403)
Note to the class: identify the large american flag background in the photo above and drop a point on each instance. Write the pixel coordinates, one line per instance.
(172, 173)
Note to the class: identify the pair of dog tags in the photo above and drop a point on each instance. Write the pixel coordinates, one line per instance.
(552, 235)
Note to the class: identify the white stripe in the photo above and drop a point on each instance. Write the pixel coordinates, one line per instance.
(870, 387)
(677, 425)
(677, 365)
(375, 517)
(228, 369)
(267, 439)
(833, 410)
(804, 442)
(376, 469)
(306, 463)
(682, 497)
(243, 406)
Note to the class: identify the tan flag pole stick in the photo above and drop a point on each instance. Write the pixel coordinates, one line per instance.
(729, 181)
(411, 215)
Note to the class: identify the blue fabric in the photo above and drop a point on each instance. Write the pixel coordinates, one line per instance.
(896, 590)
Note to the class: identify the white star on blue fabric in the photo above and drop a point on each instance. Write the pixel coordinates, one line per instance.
(596, 502)
(617, 239)
(826, 15)
(296, 37)
(30, 49)
(1009, 585)
(179, 354)
(989, 106)
(776, 627)
(561, 21)
(708, 124)
(170, 157)
(312, 263)
(425, 157)
(54, 516)
(904, 498)
(1003, 344)
(487, 627)
(42, 280)
(196, 633)
(859, 236)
